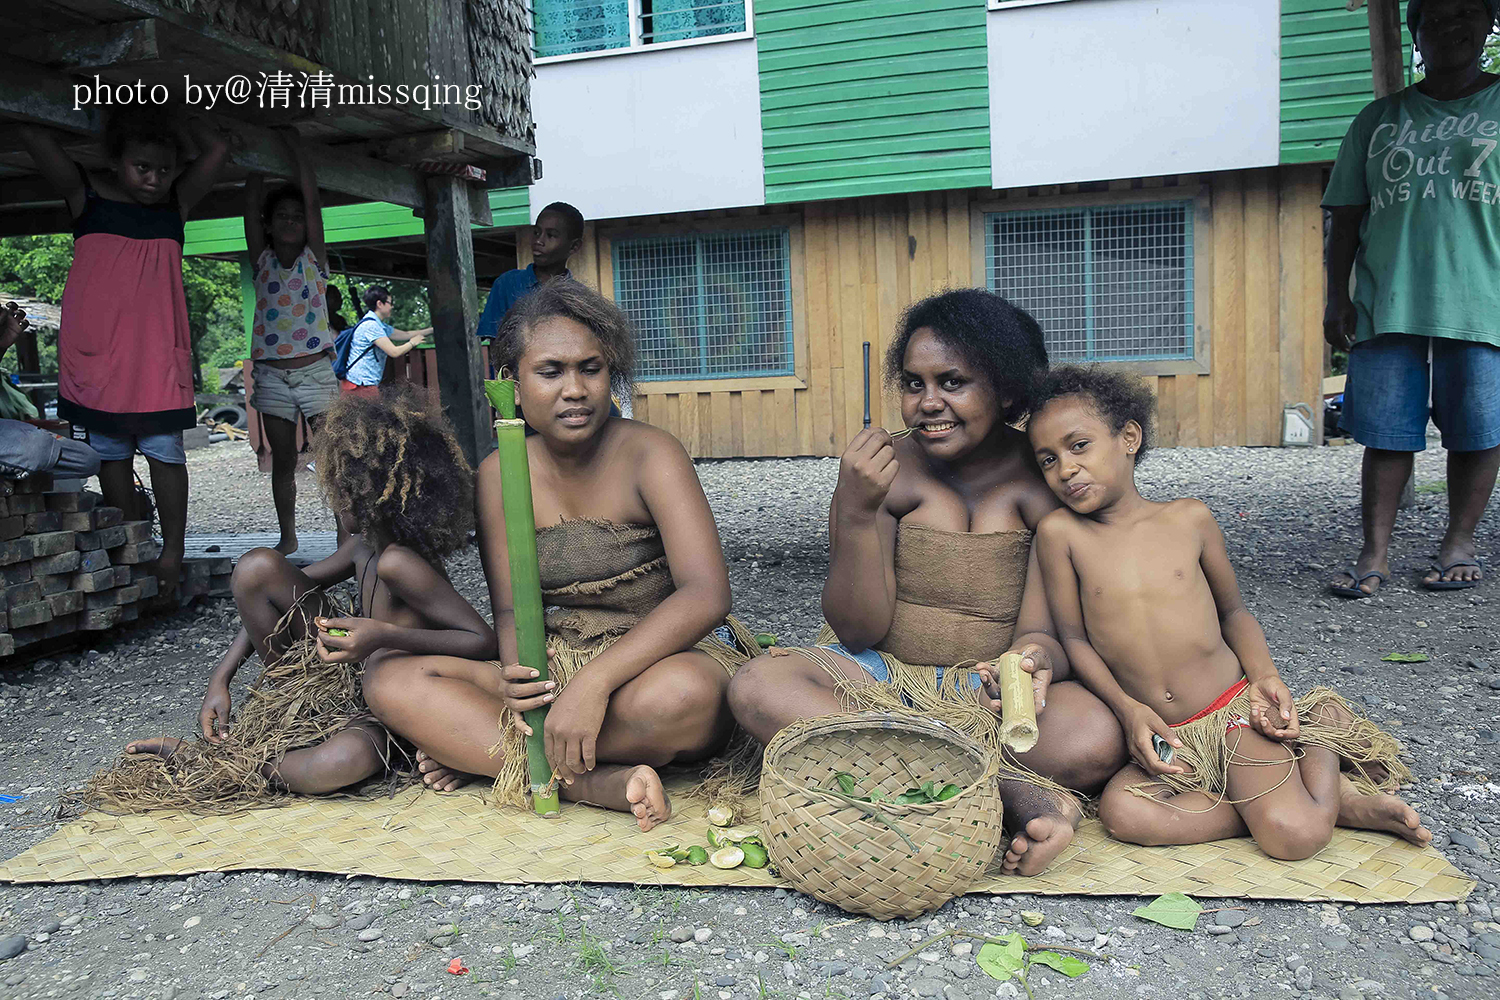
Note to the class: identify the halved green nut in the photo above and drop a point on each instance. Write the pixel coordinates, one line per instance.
(660, 860)
(727, 857)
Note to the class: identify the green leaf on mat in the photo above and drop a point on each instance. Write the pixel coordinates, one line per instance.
(1405, 658)
(1172, 910)
(846, 782)
(1002, 961)
(1066, 964)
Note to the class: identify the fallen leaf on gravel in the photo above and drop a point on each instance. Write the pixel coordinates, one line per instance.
(1066, 964)
(1171, 910)
(1405, 658)
(1002, 961)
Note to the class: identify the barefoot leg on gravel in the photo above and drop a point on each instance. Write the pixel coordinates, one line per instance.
(161, 746)
(1380, 812)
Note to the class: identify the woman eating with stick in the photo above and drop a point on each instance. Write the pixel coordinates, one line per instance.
(932, 563)
(641, 645)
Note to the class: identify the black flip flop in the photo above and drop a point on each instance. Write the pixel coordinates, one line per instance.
(1353, 592)
(1441, 584)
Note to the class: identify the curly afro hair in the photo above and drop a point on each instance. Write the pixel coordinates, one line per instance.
(395, 466)
(998, 338)
(1117, 397)
(580, 303)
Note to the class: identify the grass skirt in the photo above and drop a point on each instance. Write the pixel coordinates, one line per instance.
(1371, 752)
(298, 702)
(734, 772)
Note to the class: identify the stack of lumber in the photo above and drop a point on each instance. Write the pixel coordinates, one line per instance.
(68, 563)
(206, 577)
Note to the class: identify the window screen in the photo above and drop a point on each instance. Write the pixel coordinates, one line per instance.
(1111, 283)
(568, 27)
(676, 20)
(717, 305)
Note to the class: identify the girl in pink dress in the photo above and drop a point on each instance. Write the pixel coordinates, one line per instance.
(124, 352)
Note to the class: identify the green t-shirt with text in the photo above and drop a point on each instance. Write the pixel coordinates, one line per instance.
(1429, 249)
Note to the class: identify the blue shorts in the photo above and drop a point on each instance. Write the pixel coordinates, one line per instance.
(1391, 380)
(870, 661)
(164, 448)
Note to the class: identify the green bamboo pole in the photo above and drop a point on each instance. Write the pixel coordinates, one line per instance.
(525, 578)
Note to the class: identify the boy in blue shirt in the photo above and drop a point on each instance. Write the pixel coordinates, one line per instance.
(557, 236)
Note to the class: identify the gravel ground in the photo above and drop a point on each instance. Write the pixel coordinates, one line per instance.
(1290, 517)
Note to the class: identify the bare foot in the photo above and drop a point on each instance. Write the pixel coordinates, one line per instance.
(287, 545)
(647, 797)
(637, 790)
(1380, 812)
(1033, 849)
(161, 746)
(440, 777)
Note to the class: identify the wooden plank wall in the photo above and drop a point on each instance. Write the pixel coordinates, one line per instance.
(866, 259)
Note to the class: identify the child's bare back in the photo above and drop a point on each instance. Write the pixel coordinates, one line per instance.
(1147, 606)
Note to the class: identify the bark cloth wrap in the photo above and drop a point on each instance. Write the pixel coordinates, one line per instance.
(298, 702)
(1326, 719)
(958, 594)
(599, 579)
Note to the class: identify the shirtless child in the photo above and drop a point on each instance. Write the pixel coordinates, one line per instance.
(1148, 610)
(386, 465)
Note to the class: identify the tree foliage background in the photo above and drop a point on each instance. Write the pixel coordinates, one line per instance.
(37, 267)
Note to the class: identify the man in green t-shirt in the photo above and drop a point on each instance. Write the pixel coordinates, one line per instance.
(1414, 202)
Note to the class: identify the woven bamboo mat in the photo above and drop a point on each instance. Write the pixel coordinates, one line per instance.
(458, 837)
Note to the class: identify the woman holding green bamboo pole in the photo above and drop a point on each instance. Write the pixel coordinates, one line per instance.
(641, 647)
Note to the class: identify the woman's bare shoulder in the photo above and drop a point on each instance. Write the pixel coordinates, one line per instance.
(640, 441)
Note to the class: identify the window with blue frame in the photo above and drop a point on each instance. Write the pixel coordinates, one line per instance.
(1106, 283)
(713, 305)
(571, 27)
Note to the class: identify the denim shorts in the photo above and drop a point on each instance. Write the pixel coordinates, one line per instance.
(164, 448)
(870, 661)
(1392, 377)
(287, 392)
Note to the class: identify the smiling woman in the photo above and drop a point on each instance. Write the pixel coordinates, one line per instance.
(641, 643)
(932, 563)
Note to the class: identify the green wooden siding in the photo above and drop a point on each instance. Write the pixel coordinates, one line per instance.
(1325, 75)
(863, 97)
(355, 223)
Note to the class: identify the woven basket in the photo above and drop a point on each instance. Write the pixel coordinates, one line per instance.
(835, 851)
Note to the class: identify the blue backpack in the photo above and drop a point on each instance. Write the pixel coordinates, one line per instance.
(341, 345)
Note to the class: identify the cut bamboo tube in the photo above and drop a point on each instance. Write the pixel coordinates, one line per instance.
(1018, 728)
(525, 579)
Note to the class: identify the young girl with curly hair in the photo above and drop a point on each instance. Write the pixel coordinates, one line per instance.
(396, 478)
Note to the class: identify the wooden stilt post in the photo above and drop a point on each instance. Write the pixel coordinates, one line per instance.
(1388, 68)
(455, 313)
(1387, 62)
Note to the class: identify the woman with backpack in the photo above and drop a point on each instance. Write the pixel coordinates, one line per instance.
(360, 363)
(290, 340)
